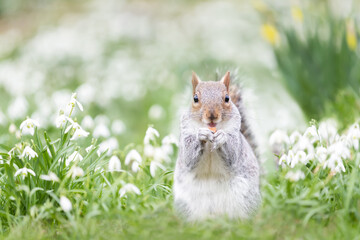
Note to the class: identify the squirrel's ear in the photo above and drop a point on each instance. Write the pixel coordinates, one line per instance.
(226, 80)
(195, 81)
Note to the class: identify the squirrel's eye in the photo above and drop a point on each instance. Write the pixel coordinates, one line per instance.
(196, 98)
(227, 98)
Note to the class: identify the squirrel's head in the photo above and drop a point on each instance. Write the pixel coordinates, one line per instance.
(211, 101)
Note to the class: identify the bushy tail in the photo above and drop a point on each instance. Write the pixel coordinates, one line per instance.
(236, 98)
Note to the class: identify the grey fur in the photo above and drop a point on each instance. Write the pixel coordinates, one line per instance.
(237, 171)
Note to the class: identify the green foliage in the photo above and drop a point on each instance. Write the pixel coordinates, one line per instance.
(319, 66)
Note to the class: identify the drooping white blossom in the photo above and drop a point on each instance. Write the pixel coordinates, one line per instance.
(279, 137)
(28, 126)
(133, 155)
(29, 152)
(76, 172)
(155, 165)
(72, 104)
(65, 204)
(24, 172)
(50, 177)
(150, 135)
(114, 164)
(295, 176)
(129, 187)
(75, 156)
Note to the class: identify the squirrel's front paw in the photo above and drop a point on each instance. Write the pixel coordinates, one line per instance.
(204, 135)
(219, 139)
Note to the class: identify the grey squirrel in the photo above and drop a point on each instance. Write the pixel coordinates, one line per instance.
(217, 171)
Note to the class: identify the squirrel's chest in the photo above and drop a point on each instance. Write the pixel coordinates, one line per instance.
(211, 165)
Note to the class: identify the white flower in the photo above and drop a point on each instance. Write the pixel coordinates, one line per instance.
(79, 132)
(109, 145)
(169, 140)
(28, 126)
(156, 112)
(295, 176)
(133, 155)
(149, 150)
(65, 204)
(151, 134)
(76, 172)
(28, 152)
(75, 156)
(73, 102)
(153, 166)
(283, 159)
(24, 172)
(353, 136)
(89, 148)
(335, 163)
(311, 134)
(300, 157)
(321, 154)
(118, 127)
(160, 154)
(295, 137)
(114, 164)
(340, 149)
(61, 120)
(279, 137)
(290, 157)
(87, 122)
(135, 166)
(129, 188)
(328, 131)
(50, 177)
(12, 128)
(101, 130)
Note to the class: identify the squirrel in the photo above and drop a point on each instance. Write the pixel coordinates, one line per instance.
(217, 171)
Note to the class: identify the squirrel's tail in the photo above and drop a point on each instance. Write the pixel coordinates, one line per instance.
(236, 98)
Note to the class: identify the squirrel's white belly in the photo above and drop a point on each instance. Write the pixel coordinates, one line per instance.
(210, 190)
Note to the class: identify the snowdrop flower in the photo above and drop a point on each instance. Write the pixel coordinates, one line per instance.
(50, 177)
(279, 137)
(335, 163)
(339, 149)
(156, 112)
(295, 176)
(133, 155)
(73, 102)
(153, 166)
(311, 134)
(28, 126)
(75, 156)
(283, 159)
(28, 152)
(12, 128)
(79, 132)
(135, 167)
(76, 172)
(89, 148)
(61, 120)
(114, 164)
(169, 140)
(151, 134)
(149, 151)
(101, 130)
(294, 137)
(87, 122)
(24, 172)
(109, 145)
(118, 127)
(65, 204)
(300, 157)
(321, 154)
(160, 155)
(290, 157)
(353, 136)
(129, 187)
(328, 131)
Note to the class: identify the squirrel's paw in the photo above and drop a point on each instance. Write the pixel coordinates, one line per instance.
(204, 134)
(219, 139)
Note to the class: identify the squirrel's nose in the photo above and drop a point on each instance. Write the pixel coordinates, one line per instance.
(212, 117)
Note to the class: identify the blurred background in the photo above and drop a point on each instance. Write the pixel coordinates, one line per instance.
(130, 62)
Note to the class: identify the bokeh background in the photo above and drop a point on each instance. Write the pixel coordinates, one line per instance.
(130, 63)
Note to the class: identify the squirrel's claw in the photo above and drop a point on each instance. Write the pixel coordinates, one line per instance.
(219, 139)
(204, 134)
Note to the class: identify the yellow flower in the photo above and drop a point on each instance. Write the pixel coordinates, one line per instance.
(270, 33)
(297, 14)
(351, 35)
